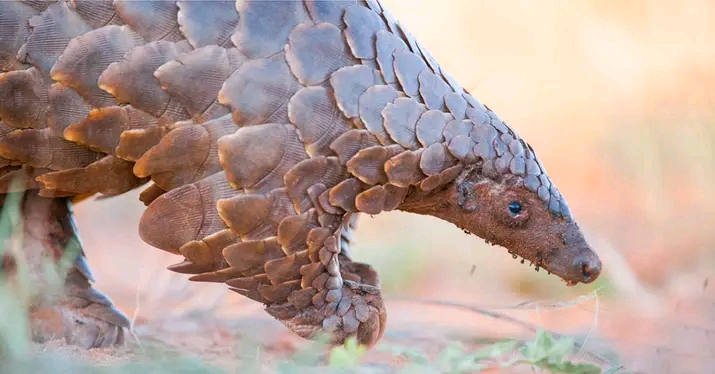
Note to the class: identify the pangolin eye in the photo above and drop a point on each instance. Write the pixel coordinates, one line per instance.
(514, 208)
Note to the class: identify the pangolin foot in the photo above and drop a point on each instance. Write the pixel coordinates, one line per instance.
(84, 316)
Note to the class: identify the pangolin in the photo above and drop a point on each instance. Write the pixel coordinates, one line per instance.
(262, 130)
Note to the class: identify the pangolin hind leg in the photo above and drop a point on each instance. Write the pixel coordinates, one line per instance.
(75, 309)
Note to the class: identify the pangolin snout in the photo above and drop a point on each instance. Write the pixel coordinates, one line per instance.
(588, 266)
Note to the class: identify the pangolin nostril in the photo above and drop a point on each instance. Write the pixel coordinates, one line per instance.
(585, 270)
(588, 267)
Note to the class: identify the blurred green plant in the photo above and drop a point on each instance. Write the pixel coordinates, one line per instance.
(545, 351)
(17, 291)
(14, 324)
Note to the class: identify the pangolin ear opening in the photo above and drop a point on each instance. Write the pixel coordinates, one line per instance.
(472, 192)
(468, 197)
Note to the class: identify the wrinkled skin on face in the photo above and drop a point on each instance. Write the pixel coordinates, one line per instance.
(505, 213)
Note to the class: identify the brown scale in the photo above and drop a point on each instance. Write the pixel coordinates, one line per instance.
(344, 193)
(380, 198)
(258, 92)
(24, 101)
(430, 127)
(350, 142)
(325, 170)
(293, 230)
(267, 212)
(349, 83)
(368, 164)
(132, 80)
(207, 23)
(186, 154)
(456, 105)
(186, 213)
(442, 178)
(371, 104)
(52, 30)
(134, 143)
(274, 149)
(387, 43)
(433, 89)
(286, 269)
(153, 21)
(314, 52)
(329, 11)
(108, 176)
(319, 121)
(435, 159)
(102, 128)
(314, 193)
(86, 58)
(41, 149)
(408, 67)
(403, 170)
(205, 255)
(328, 214)
(195, 78)
(263, 26)
(15, 29)
(327, 206)
(97, 13)
(247, 255)
(362, 25)
(400, 120)
(66, 108)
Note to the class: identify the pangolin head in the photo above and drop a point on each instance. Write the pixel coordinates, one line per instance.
(514, 205)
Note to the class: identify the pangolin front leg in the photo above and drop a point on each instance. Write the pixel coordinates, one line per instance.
(77, 312)
(339, 297)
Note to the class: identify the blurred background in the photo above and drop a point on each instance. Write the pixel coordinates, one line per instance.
(618, 100)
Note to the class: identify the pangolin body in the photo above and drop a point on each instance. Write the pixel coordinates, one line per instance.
(263, 129)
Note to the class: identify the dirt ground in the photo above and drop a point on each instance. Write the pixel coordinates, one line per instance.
(617, 100)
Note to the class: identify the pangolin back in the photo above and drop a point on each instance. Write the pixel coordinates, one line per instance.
(264, 128)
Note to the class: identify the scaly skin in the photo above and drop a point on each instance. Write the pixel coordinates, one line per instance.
(267, 128)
